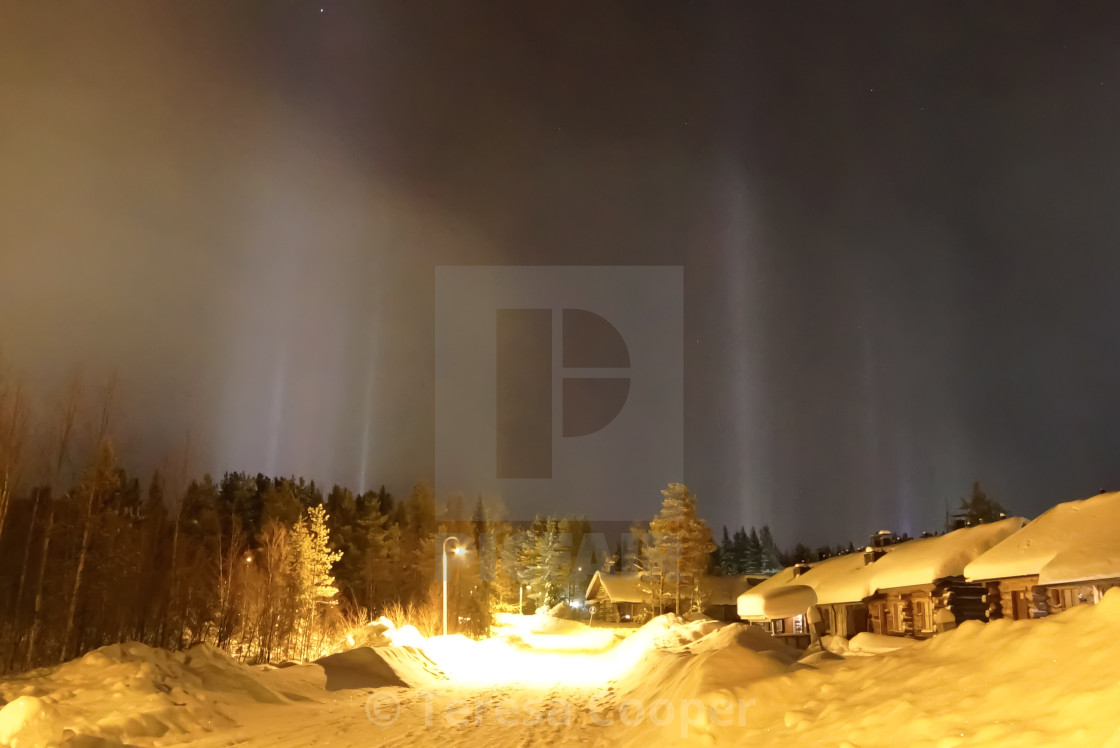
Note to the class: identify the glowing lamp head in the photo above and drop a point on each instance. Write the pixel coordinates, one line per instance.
(458, 550)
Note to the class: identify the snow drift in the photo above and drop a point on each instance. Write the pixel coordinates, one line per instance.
(132, 692)
(1053, 681)
(128, 691)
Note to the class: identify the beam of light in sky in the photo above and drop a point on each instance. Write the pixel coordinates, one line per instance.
(744, 387)
(367, 446)
(293, 325)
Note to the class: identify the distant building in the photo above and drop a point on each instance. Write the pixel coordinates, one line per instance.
(615, 597)
(621, 597)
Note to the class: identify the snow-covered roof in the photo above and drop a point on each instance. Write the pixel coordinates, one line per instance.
(849, 578)
(927, 559)
(726, 590)
(1072, 542)
(836, 580)
(620, 588)
(752, 603)
(627, 587)
(842, 579)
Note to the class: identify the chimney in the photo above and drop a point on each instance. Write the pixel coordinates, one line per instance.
(872, 554)
(882, 539)
(800, 568)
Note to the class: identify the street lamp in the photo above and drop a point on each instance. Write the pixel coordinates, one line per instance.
(458, 552)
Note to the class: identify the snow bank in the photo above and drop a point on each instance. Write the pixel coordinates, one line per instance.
(367, 667)
(131, 692)
(869, 643)
(684, 669)
(28, 722)
(373, 634)
(1021, 684)
(126, 692)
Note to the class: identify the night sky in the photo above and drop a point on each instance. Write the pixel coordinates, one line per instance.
(898, 225)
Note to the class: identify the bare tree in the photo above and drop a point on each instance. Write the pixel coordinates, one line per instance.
(14, 417)
(56, 463)
(96, 485)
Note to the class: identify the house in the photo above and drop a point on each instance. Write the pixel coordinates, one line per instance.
(615, 597)
(1069, 556)
(911, 588)
(842, 584)
(780, 604)
(720, 595)
(918, 587)
(829, 594)
(621, 597)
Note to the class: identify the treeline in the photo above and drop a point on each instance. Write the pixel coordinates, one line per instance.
(249, 563)
(274, 568)
(751, 552)
(754, 552)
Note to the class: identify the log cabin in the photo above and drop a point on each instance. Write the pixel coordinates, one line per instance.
(621, 598)
(913, 588)
(1069, 556)
(918, 588)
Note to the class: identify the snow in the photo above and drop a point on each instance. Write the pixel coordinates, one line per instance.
(627, 587)
(927, 559)
(850, 578)
(752, 603)
(620, 588)
(28, 722)
(1072, 542)
(869, 643)
(842, 579)
(1052, 681)
(783, 602)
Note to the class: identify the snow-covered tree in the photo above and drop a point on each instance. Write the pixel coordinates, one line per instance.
(310, 575)
(683, 539)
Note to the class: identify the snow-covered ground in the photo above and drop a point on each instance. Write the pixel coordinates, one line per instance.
(1053, 681)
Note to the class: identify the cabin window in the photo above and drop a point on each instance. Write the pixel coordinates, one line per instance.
(799, 624)
(779, 626)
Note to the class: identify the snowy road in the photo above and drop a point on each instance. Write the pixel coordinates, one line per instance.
(1011, 684)
(523, 716)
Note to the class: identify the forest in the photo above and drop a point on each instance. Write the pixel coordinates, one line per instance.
(276, 568)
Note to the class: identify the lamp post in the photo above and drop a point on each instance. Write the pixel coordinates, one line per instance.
(458, 552)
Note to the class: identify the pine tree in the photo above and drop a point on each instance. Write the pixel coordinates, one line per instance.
(685, 540)
(728, 561)
(753, 563)
(769, 552)
(802, 554)
(977, 508)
